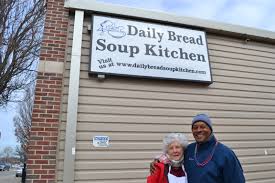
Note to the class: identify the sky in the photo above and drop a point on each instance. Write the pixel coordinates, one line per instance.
(6, 127)
(252, 13)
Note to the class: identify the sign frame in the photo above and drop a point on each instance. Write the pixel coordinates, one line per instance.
(97, 72)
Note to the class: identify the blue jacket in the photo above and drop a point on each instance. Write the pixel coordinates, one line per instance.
(224, 167)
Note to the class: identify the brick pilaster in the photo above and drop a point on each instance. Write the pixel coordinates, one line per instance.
(41, 164)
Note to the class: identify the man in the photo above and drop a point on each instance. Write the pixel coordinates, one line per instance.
(207, 160)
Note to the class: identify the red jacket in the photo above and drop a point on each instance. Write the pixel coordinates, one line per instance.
(160, 174)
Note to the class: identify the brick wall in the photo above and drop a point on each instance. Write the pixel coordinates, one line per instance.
(55, 32)
(41, 164)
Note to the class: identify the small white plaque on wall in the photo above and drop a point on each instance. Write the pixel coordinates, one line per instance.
(101, 141)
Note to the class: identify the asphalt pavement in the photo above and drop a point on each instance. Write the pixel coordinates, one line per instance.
(9, 177)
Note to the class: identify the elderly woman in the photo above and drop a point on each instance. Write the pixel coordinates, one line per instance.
(170, 168)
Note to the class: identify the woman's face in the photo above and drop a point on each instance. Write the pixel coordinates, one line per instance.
(175, 151)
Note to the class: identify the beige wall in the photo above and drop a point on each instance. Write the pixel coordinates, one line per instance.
(135, 113)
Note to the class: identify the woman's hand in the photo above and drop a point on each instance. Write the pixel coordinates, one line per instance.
(152, 166)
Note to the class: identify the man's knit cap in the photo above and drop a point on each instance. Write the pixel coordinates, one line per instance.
(203, 118)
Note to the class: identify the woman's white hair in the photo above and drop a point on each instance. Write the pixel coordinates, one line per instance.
(171, 137)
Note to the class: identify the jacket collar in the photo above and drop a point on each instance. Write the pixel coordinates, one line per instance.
(209, 143)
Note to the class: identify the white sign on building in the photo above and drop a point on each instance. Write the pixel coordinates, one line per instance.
(126, 47)
(101, 141)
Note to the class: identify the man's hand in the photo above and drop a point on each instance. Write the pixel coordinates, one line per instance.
(152, 166)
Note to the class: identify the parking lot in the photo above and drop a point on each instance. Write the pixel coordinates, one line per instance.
(9, 177)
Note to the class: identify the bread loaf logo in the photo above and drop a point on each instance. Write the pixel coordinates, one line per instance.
(110, 28)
